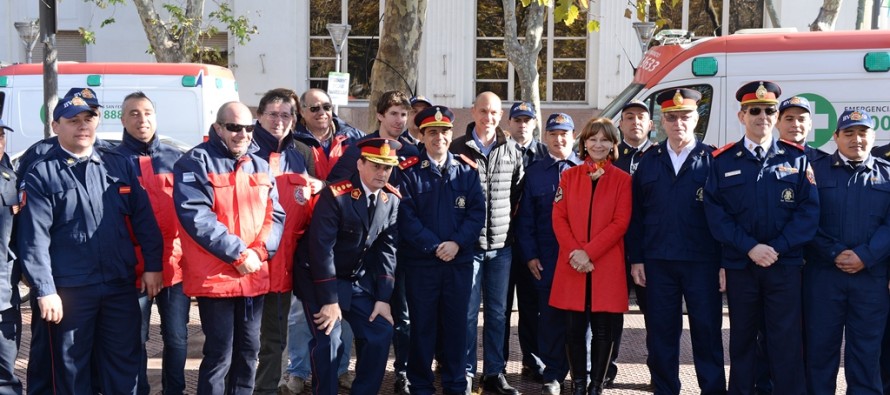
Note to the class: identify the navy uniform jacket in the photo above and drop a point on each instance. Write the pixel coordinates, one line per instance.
(439, 206)
(72, 235)
(855, 212)
(162, 156)
(339, 236)
(9, 205)
(536, 151)
(629, 157)
(668, 217)
(346, 166)
(882, 152)
(39, 149)
(774, 203)
(813, 154)
(534, 223)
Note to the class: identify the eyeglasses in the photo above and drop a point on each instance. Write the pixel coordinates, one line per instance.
(279, 115)
(235, 128)
(326, 106)
(755, 111)
(675, 117)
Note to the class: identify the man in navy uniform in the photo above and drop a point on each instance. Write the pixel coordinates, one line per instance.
(412, 133)
(440, 219)
(796, 122)
(78, 256)
(537, 245)
(762, 207)
(846, 272)
(634, 124)
(353, 219)
(10, 300)
(673, 253)
(521, 127)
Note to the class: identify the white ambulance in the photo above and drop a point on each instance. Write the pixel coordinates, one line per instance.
(186, 96)
(836, 71)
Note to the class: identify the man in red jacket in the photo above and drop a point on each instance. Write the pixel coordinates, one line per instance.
(227, 204)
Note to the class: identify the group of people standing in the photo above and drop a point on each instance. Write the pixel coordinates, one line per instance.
(300, 235)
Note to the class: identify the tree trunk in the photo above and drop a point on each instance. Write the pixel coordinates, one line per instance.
(524, 56)
(773, 15)
(860, 15)
(166, 46)
(395, 67)
(50, 80)
(827, 16)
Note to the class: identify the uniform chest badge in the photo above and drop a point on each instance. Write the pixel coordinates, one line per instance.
(424, 164)
(810, 176)
(5, 175)
(788, 195)
(356, 193)
(460, 202)
(300, 194)
(558, 196)
(700, 194)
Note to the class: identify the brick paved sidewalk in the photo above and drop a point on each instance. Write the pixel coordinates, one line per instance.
(633, 376)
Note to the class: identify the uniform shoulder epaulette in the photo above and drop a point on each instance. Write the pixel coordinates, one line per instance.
(722, 149)
(341, 187)
(650, 147)
(793, 144)
(393, 190)
(408, 162)
(468, 161)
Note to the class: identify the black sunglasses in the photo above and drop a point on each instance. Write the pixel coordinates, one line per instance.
(327, 107)
(235, 128)
(755, 111)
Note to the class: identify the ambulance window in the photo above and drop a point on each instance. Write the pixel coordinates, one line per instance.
(704, 111)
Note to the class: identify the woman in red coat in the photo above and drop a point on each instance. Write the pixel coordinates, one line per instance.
(591, 212)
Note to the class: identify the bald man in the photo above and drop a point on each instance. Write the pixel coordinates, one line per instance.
(500, 170)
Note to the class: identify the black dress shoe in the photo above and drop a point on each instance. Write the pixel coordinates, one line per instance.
(551, 388)
(533, 373)
(498, 384)
(401, 385)
(609, 383)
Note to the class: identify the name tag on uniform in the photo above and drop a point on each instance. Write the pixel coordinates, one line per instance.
(124, 190)
(188, 177)
(732, 173)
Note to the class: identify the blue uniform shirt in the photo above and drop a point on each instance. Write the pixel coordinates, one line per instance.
(72, 234)
(534, 223)
(9, 202)
(855, 212)
(439, 206)
(39, 149)
(346, 166)
(774, 203)
(668, 218)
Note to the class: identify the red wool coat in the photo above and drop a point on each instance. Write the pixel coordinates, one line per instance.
(608, 219)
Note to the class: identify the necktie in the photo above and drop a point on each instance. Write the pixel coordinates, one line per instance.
(758, 151)
(854, 163)
(372, 200)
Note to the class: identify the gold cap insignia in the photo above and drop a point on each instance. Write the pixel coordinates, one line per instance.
(438, 114)
(795, 100)
(78, 102)
(384, 149)
(560, 119)
(522, 106)
(855, 116)
(678, 99)
(761, 91)
(86, 93)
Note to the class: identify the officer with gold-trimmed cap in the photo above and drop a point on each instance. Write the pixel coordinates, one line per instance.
(677, 263)
(440, 218)
(762, 243)
(350, 268)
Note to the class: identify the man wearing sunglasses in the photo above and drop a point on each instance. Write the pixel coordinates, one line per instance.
(763, 207)
(323, 131)
(227, 202)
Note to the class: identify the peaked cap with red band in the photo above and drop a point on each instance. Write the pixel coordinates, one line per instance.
(682, 99)
(382, 151)
(434, 116)
(759, 92)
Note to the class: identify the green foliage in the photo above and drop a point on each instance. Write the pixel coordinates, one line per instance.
(189, 31)
(568, 11)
